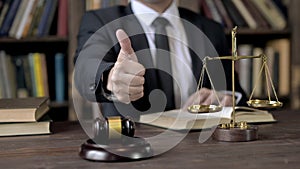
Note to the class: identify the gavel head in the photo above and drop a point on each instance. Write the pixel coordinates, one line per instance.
(113, 129)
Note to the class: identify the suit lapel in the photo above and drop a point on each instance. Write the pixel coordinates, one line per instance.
(194, 43)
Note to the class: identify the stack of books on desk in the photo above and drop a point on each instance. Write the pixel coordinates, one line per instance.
(25, 116)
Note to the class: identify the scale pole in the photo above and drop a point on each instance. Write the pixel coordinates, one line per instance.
(234, 56)
(235, 131)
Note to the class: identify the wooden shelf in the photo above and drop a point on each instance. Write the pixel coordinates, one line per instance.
(264, 32)
(34, 39)
(54, 104)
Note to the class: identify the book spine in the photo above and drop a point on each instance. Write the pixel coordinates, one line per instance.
(206, 10)
(245, 67)
(257, 82)
(24, 20)
(17, 19)
(271, 13)
(245, 13)
(29, 19)
(214, 12)
(36, 18)
(234, 13)
(4, 11)
(256, 14)
(62, 25)
(50, 20)
(276, 72)
(1, 79)
(27, 75)
(47, 18)
(20, 77)
(9, 17)
(2, 74)
(282, 46)
(96, 4)
(270, 53)
(44, 74)
(4, 60)
(38, 75)
(59, 78)
(223, 13)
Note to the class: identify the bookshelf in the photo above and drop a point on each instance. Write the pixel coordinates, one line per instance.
(48, 43)
(257, 37)
(49, 46)
(263, 37)
(52, 44)
(34, 39)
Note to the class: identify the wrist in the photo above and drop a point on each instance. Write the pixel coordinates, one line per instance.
(107, 82)
(107, 85)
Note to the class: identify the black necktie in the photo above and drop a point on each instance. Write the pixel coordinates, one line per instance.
(163, 62)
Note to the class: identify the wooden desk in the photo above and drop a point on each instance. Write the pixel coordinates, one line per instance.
(278, 147)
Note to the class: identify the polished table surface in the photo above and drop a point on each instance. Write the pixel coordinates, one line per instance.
(278, 147)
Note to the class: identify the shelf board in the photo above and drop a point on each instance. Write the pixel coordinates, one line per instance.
(247, 31)
(34, 39)
(54, 104)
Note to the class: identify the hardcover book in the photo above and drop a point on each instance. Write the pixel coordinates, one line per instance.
(23, 110)
(26, 128)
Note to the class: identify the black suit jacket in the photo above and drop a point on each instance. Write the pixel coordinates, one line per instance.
(98, 49)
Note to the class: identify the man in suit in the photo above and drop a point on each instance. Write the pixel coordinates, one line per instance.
(117, 58)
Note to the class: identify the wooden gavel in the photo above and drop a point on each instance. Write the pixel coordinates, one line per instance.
(113, 129)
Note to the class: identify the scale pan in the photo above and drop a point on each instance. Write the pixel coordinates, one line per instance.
(204, 108)
(267, 104)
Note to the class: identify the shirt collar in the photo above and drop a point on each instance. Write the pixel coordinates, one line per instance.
(148, 15)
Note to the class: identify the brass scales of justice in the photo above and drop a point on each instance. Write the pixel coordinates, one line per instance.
(237, 131)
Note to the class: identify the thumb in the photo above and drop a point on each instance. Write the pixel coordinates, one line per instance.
(125, 44)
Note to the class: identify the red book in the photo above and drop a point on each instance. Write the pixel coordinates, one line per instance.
(206, 10)
(62, 23)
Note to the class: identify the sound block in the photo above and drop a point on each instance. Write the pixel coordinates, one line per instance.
(236, 134)
(130, 150)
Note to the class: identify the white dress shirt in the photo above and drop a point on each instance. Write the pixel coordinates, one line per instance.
(180, 56)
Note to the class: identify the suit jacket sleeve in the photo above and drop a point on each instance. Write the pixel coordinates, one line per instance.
(94, 57)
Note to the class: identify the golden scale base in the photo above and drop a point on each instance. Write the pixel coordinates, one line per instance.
(235, 131)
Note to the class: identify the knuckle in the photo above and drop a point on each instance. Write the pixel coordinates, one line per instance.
(142, 80)
(114, 78)
(141, 94)
(116, 89)
(143, 70)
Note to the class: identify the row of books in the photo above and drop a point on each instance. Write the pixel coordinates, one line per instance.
(253, 14)
(26, 116)
(97, 4)
(33, 18)
(278, 63)
(27, 76)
